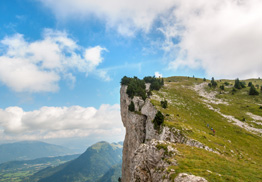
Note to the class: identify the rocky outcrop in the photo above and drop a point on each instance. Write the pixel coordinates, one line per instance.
(147, 153)
(138, 126)
(183, 177)
(151, 161)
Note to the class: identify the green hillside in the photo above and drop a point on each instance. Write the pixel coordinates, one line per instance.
(195, 108)
(113, 174)
(90, 166)
(30, 150)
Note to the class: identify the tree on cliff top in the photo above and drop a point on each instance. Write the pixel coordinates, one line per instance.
(136, 87)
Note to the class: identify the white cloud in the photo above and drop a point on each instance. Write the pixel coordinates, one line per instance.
(60, 122)
(93, 56)
(21, 75)
(223, 37)
(126, 16)
(158, 75)
(39, 65)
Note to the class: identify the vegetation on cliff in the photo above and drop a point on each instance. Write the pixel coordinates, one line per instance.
(194, 108)
(137, 87)
(158, 120)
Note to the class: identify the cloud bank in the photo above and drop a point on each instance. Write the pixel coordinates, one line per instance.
(223, 37)
(60, 122)
(38, 66)
(126, 16)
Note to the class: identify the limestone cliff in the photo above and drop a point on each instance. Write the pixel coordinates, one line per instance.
(147, 153)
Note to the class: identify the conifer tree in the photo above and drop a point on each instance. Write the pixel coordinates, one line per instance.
(213, 82)
(253, 90)
(237, 84)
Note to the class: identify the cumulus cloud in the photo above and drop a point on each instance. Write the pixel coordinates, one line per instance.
(222, 37)
(93, 56)
(158, 75)
(38, 66)
(60, 122)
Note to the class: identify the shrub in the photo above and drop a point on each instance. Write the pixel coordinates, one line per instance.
(149, 79)
(243, 84)
(131, 106)
(204, 79)
(136, 87)
(222, 87)
(253, 90)
(237, 84)
(158, 120)
(213, 83)
(155, 86)
(226, 83)
(156, 83)
(234, 90)
(249, 84)
(125, 80)
(164, 104)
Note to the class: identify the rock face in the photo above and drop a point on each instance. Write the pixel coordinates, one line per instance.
(137, 128)
(146, 152)
(148, 163)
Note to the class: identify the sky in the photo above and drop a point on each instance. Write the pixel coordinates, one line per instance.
(61, 61)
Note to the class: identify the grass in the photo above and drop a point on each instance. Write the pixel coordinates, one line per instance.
(240, 150)
(215, 167)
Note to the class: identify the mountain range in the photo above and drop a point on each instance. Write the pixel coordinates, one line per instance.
(100, 161)
(28, 150)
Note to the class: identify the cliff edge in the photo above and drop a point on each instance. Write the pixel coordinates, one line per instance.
(183, 129)
(147, 152)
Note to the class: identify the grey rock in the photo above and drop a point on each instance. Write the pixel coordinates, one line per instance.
(184, 177)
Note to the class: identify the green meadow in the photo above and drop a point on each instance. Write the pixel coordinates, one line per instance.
(239, 148)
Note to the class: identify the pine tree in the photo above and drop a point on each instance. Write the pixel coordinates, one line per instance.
(237, 84)
(159, 119)
(213, 82)
(222, 87)
(253, 90)
(164, 104)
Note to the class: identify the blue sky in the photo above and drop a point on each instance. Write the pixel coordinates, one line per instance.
(61, 61)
